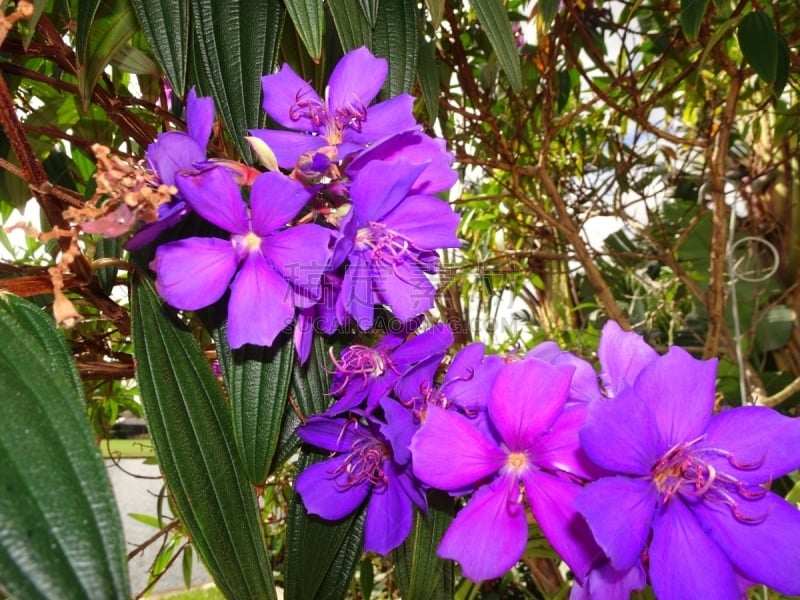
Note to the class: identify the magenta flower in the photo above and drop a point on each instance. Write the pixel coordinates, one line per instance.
(344, 119)
(362, 470)
(687, 487)
(269, 268)
(489, 535)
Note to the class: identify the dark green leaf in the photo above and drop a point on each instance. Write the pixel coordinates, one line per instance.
(370, 10)
(258, 380)
(112, 26)
(165, 24)
(321, 555)
(108, 248)
(494, 19)
(428, 75)
(30, 24)
(396, 39)
(548, 9)
(759, 43)
(421, 574)
(86, 13)
(353, 29)
(774, 330)
(61, 535)
(308, 17)
(436, 10)
(692, 13)
(236, 42)
(190, 425)
(782, 68)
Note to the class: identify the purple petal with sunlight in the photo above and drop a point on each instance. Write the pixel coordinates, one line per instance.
(685, 562)
(300, 254)
(195, 272)
(275, 200)
(173, 152)
(333, 435)
(619, 511)
(560, 449)
(622, 355)
(527, 397)
(284, 89)
(379, 187)
(384, 119)
(357, 78)
(428, 222)
(356, 294)
(199, 117)
(261, 304)
(488, 536)
(328, 494)
(389, 516)
(450, 454)
(216, 197)
(404, 288)
(288, 146)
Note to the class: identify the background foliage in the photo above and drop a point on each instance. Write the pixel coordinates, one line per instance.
(636, 161)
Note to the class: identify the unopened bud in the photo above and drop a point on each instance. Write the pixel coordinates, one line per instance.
(263, 152)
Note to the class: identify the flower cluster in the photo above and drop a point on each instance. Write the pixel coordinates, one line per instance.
(627, 472)
(347, 219)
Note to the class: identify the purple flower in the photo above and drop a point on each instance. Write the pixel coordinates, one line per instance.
(270, 269)
(363, 469)
(343, 119)
(390, 239)
(687, 487)
(489, 535)
(171, 153)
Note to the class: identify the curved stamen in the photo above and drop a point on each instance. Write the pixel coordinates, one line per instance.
(308, 108)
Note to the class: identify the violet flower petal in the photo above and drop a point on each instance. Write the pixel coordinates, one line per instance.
(260, 306)
(527, 397)
(551, 501)
(288, 146)
(383, 119)
(195, 272)
(560, 449)
(681, 404)
(619, 511)
(300, 254)
(356, 295)
(199, 117)
(399, 428)
(404, 288)
(436, 230)
(173, 152)
(433, 341)
(488, 536)
(284, 89)
(216, 197)
(604, 582)
(357, 77)
(622, 356)
(684, 561)
(765, 550)
(448, 453)
(333, 435)
(761, 440)
(389, 515)
(275, 200)
(379, 187)
(328, 495)
(620, 434)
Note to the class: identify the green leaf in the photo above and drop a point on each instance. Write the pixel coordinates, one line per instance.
(351, 25)
(428, 76)
(396, 39)
(133, 60)
(258, 380)
(61, 535)
(235, 43)
(112, 25)
(548, 9)
(692, 13)
(191, 429)
(759, 43)
(308, 17)
(30, 24)
(782, 68)
(321, 555)
(86, 13)
(421, 574)
(494, 19)
(774, 330)
(369, 8)
(165, 24)
(436, 10)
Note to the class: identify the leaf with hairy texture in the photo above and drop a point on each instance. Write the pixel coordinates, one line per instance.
(191, 429)
(308, 17)
(369, 8)
(165, 24)
(428, 76)
(396, 39)
(494, 20)
(353, 28)
(61, 535)
(235, 43)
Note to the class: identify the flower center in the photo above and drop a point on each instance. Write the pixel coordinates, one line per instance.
(364, 462)
(517, 462)
(351, 115)
(684, 470)
(308, 108)
(251, 241)
(358, 361)
(384, 244)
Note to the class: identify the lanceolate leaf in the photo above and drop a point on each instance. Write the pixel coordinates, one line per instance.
(166, 26)
(759, 43)
(61, 536)
(190, 425)
(321, 555)
(86, 14)
(308, 17)
(370, 10)
(351, 25)
(112, 26)
(396, 39)
(258, 380)
(236, 42)
(421, 574)
(494, 20)
(428, 75)
(692, 13)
